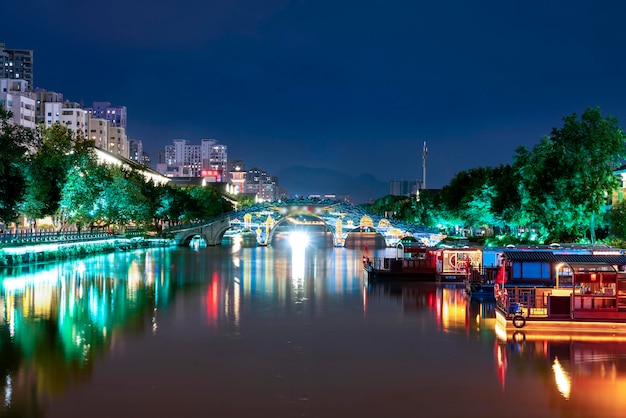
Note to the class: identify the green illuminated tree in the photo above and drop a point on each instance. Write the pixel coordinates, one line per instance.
(466, 200)
(58, 150)
(204, 203)
(244, 201)
(506, 203)
(171, 205)
(565, 179)
(393, 207)
(15, 141)
(122, 201)
(85, 183)
(154, 194)
(423, 210)
(617, 220)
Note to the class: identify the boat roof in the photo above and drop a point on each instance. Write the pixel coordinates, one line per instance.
(525, 255)
(546, 255)
(591, 258)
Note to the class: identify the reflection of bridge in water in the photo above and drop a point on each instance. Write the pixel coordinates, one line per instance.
(322, 223)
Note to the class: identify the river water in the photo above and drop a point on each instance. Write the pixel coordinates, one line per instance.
(270, 332)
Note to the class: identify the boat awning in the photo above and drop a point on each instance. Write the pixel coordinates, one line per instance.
(592, 267)
(521, 255)
(541, 255)
(592, 259)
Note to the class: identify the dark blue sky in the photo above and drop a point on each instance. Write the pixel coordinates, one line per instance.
(345, 85)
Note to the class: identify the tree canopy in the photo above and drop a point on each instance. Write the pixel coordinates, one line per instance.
(566, 178)
(555, 191)
(15, 141)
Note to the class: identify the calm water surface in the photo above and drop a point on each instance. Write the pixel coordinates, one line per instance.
(268, 332)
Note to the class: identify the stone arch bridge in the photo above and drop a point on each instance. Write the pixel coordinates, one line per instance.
(211, 231)
(335, 220)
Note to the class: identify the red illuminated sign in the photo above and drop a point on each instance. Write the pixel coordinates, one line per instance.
(210, 173)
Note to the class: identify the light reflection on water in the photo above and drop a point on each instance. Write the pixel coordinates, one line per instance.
(276, 332)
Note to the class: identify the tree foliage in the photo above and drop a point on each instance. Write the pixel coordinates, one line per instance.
(617, 220)
(565, 179)
(85, 182)
(15, 141)
(58, 151)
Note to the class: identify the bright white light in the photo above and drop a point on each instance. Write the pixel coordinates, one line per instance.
(563, 383)
(298, 239)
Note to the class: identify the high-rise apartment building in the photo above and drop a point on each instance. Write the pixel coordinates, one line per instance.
(116, 115)
(17, 64)
(261, 183)
(136, 152)
(15, 97)
(74, 118)
(208, 159)
(117, 142)
(43, 96)
(214, 157)
(135, 149)
(403, 187)
(99, 133)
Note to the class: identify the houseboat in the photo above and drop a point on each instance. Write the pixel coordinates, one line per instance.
(557, 291)
(418, 262)
(413, 261)
(458, 264)
(480, 284)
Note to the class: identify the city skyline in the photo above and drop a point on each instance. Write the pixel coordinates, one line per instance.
(351, 87)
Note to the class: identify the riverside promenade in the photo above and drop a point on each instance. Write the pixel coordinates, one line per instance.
(25, 248)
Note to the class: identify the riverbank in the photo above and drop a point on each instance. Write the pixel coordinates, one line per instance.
(38, 253)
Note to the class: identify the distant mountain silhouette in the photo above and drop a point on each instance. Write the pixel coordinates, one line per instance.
(305, 181)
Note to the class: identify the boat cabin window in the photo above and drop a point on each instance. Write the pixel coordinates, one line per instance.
(565, 276)
(416, 256)
(531, 270)
(596, 283)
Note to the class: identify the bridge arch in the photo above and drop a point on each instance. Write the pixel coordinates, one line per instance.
(317, 229)
(212, 232)
(365, 235)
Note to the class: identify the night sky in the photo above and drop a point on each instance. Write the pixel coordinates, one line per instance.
(349, 86)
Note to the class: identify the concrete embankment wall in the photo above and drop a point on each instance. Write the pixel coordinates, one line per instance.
(37, 253)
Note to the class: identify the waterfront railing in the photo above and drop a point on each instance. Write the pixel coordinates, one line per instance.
(21, 237)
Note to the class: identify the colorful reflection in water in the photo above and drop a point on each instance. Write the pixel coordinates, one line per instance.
(583, 378)
(298, 330)
(57, 318)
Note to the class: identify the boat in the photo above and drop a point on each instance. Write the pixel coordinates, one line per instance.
(413, 261)
(480, 289)
(398, 273)
(564, 292)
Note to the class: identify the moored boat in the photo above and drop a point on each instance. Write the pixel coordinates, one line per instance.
(412, 262)
(480, 289)
(547, 291)
(399, 273)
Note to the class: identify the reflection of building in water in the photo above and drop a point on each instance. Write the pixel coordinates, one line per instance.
(585, 376)
(449, 304)
(451, 308)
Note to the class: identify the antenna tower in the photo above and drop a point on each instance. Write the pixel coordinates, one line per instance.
(424, 153)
